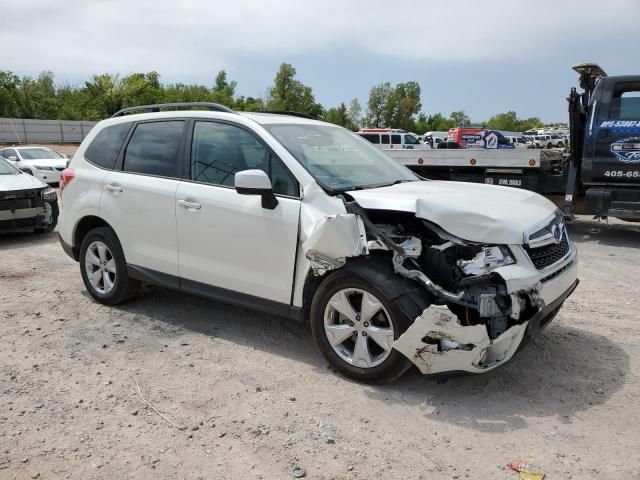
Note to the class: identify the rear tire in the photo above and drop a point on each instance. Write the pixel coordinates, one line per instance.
(104, 269)
(397, 302)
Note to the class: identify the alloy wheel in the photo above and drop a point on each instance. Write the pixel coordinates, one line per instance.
(358, 327)
(100, 267)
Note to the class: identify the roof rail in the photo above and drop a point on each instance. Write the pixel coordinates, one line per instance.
(214, 107)
(284, 112)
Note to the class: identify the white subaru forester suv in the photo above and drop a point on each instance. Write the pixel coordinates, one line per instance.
(304, 219)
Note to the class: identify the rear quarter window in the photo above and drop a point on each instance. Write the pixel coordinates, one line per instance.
(104, 149)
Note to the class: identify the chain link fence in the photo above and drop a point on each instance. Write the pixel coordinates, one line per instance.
(18, 130)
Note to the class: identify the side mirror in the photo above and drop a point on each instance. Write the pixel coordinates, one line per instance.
(256, 182)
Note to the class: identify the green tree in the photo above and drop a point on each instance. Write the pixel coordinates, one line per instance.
(8, 86)
(223, 90)
(37, 98)
(106, 94)
(340, 116)
(290, 94)
(355, 113)
(249, 104)
(509, 121)
(141, 89)
(376, 105)
(460, 118)
(439, 123)
(180, 92)
(403, 102)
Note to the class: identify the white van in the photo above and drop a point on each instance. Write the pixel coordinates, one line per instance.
(386, 138)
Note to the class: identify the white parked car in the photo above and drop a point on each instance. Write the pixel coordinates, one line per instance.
(41, 162)
(517, 142)
(305, 219)
(26, 203)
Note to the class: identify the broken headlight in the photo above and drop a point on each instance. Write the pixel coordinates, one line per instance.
(486, 260)
(49, 194)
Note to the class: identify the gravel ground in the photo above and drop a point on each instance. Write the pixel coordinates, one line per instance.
(247, 395)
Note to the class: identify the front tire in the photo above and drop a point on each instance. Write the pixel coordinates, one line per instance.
(356, 317)
(104, 269)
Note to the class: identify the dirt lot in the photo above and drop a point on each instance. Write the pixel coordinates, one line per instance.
(255, 397)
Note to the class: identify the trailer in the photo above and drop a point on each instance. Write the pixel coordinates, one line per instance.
(540, 171)
(598, 174)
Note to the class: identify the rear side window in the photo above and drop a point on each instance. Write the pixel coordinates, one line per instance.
(373, 138)
(396, 140)
(154, 148)
(104, 149)
(385, 139)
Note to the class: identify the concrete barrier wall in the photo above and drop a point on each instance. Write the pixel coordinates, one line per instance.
(18, 130)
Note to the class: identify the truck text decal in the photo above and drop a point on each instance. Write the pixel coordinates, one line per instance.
(620, 123)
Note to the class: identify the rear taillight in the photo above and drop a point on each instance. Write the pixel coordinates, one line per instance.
(65, 178)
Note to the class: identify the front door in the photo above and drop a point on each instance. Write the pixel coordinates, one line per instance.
(228, 240)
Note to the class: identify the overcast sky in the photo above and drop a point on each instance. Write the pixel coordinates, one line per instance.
(483, 56)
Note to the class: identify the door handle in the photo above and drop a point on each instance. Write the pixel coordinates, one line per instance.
(114, 188)
(189, 205)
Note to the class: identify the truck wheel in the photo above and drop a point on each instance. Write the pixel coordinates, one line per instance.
(104, 269)
(549, 145)
(355, 320)
(560, 145)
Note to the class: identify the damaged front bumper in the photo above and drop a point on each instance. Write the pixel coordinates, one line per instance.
(436, 342)
(24, 210)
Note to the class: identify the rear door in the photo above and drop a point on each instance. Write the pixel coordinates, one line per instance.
(228, 240)
(612, 137)
(138, 197)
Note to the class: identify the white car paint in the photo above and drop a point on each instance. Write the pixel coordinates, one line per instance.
(45, 169)
(214, 236)
(19, 182)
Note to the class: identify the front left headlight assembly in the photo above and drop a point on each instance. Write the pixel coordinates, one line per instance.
(487, 259)
(49, 194)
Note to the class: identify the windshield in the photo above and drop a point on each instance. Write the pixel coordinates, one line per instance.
(338, 159)
(7, 169)
(38, 154)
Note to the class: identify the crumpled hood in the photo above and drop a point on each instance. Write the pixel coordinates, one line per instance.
(471, 211)
(22, 181)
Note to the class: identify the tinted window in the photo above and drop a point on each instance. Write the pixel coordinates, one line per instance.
(219, 150)
(104, 149)
(373, 138)
(395, 139)
(385, 139)
(411, 140)
(153, 149)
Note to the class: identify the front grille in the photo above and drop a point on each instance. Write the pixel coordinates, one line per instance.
(17, 194)
(547, 255)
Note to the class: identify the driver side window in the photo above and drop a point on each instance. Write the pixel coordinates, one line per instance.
(220, 150)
